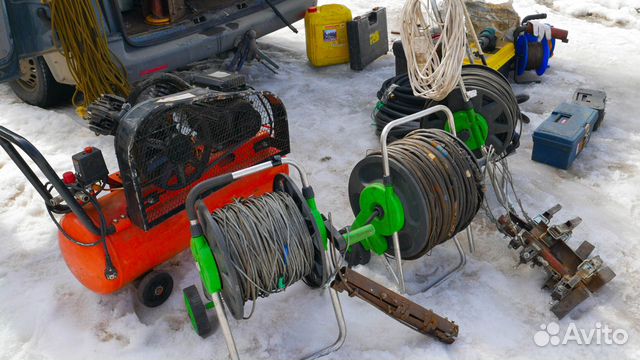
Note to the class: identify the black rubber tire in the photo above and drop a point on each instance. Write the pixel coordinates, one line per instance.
(154, 288)
(200, 320)
(45, 91)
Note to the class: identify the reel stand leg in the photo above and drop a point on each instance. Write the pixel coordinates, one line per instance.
(342, 325)
(386, 171)
(461, 264)
(398, 255)
(226, 328)
(471, 240)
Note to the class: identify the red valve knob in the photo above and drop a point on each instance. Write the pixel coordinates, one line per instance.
(69, 178)
(88, 150)
(313, 9)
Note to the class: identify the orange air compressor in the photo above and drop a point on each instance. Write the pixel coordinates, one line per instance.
(164, 146)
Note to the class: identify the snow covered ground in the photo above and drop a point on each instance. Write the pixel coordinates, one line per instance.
(46, 314)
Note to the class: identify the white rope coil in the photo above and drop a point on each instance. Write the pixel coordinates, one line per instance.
(434, 46)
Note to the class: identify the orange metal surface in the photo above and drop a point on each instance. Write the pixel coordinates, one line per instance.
(133, 251)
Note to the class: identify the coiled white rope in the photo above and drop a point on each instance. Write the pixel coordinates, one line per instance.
(434, 46)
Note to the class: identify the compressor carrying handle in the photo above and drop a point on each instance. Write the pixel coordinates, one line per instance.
(221, 181)
(9, 141)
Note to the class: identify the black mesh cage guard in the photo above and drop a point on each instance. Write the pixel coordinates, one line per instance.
(166, 146)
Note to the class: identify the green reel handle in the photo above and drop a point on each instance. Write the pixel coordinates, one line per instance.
(475, 124)
(206, 264)
(358, 235)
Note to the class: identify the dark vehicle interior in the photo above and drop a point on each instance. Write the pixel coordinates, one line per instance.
(145, 16)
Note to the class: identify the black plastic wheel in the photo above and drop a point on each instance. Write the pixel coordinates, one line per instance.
(357, 255)
(37, 86)
(197, 311)
(155, 288)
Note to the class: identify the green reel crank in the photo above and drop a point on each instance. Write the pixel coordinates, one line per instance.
(473, 126)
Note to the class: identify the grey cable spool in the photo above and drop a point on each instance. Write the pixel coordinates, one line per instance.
(221, 247)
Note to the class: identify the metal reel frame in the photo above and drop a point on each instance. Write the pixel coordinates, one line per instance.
(387, 179)
(489, 107)
(226, 286)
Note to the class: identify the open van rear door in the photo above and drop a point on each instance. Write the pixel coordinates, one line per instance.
(8, 59)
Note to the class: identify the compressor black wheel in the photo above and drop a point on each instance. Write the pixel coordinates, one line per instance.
(197, 311)
(155, 288)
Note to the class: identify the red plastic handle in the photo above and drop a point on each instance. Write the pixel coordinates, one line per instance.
(560, 34)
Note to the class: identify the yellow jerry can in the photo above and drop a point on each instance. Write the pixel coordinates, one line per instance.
(327, 39)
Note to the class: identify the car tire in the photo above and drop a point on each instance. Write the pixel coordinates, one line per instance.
(37, 86)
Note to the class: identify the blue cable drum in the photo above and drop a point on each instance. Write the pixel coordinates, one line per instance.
(523, 54)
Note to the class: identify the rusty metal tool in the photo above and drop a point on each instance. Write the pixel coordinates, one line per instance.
(395, 305)
(573, 275)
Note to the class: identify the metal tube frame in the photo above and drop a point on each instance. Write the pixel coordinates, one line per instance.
(9, 141)
(335, 300)
(386, 172)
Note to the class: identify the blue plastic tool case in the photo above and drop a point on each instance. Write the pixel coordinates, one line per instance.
(563, 135)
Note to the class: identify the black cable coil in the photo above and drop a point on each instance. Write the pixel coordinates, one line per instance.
(449, 176)
(397, 100)
(438, 181)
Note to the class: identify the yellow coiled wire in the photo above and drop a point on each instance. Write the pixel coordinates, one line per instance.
(78, 32)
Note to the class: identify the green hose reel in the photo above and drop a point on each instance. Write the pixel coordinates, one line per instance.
(213, 273)
(474, 124)
(381, 215)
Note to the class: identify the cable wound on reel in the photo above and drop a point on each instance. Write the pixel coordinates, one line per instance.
(263, 245)
(272, 224)
(438, 181)
(532, 54)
